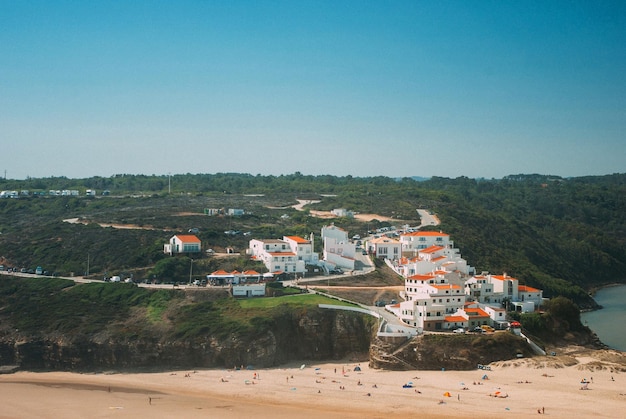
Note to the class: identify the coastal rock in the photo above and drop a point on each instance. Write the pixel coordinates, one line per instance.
(311, 335)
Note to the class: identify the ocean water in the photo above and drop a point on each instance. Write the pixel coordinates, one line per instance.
(609, 322)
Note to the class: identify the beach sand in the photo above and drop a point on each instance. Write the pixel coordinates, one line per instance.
(515, 389)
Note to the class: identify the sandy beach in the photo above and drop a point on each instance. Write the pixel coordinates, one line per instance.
(519, 388)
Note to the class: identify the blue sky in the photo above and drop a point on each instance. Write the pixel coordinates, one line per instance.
(361, 88)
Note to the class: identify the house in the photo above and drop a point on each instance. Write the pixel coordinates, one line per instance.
(233, 212)
(385, 247)
(183, 243)
(289, 255)
(340, 254)
(338, 250)
(220, 277)
(248, 290)
(337, 233)
(212, 211)
(431, 303)
(440, 295)
(414, 241)
(431, 259)
(342, 212)
(303, 249)
(526, 294)
(477, 317)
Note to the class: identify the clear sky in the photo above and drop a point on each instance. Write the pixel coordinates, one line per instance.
(361, 88)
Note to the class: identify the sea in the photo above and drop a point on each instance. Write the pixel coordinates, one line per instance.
(608, 323)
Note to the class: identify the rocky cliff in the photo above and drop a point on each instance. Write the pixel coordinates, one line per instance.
(448, 351)
(313, 334)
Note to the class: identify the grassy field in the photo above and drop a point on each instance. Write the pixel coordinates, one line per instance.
(301, 300)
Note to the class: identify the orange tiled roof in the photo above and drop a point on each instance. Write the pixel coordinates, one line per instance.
(188, 238)
(281, 253)
(297, 239)
(422, 277)
(455, 319)
(432, 249)
(476, 312)
(221, 272)
(503, 278)
(426, 234)
(251, 272)
(446, 286)
(526, 288)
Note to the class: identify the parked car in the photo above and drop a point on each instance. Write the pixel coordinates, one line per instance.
(459, 330)
(488, 328)
(478, 329)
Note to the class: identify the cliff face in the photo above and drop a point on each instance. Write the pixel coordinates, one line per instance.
(437, 351)
(311, 335)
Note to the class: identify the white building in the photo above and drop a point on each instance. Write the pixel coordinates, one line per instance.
(290, 255)
(385, 247)
(495, 290)
(431, 303)
(182, 243)
(249, 290)
(342, 212)
(431, 259)
(339, 254)
(436, 287)
(338, 250)
(235, 211)
(337, 233)
(412, 242)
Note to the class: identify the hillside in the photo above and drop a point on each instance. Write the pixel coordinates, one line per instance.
(53, 324)
(566, 236)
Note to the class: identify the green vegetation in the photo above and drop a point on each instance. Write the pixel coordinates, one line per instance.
(565, 236)
(49, 306)
(296, 301)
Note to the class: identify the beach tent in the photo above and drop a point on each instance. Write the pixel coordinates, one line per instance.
(357, 368)
(447, 394)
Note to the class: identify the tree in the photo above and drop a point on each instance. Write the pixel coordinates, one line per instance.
(563, 310)
(174, 269)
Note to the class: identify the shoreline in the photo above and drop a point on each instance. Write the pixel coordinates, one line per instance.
(515, 388)
(594, 290)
